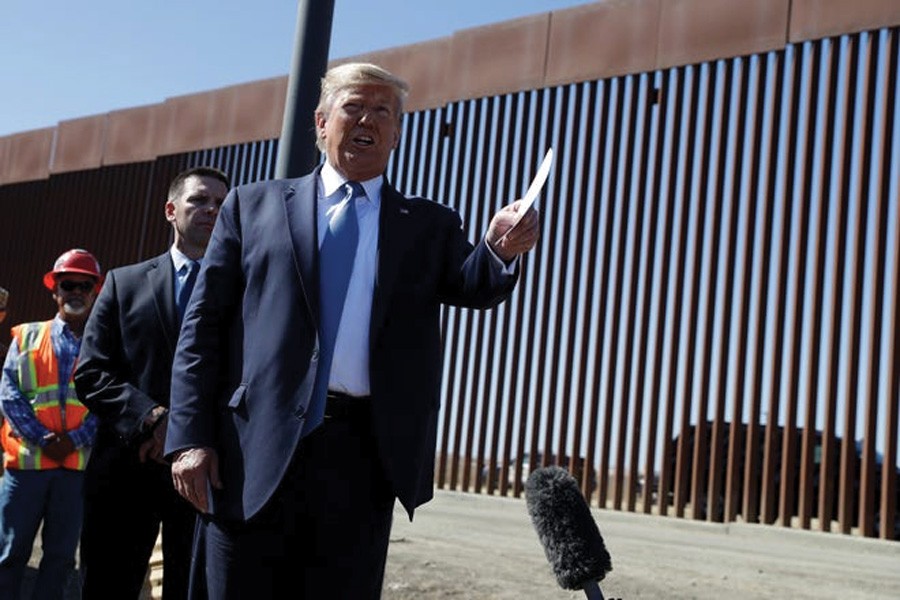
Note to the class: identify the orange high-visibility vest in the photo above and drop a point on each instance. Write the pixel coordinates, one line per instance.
(38, 378)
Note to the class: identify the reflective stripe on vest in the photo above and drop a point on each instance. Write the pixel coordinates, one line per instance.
(38, 374)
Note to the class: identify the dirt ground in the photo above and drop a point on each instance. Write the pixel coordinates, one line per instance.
(469, 546)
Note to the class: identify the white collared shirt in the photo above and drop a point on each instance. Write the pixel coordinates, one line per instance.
(350, 366)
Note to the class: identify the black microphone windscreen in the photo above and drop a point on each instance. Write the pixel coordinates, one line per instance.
(566, 528)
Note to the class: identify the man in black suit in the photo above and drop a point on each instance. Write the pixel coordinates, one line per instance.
(123, 377)
(306, 383)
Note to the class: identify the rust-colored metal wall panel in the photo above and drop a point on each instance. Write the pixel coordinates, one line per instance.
(79, 144)
(254, 113)
(29, 155)
(185, 123)
(424, 66)
(221, 105)
(593, 40)
(603, 39)
(234, 115)
(41, 219)
(24, 262)
(815, 19)
(4, 159)
(130, 135)
(693, 31)
(497, 59)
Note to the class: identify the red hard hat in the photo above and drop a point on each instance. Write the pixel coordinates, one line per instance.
(73, 261)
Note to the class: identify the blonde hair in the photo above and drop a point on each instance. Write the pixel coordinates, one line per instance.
(341, 77)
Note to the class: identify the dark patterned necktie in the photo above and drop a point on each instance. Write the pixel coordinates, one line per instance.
(193, 267)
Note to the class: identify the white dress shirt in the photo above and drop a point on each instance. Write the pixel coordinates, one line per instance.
(350, 366)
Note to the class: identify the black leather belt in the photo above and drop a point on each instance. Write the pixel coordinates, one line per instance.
(345, 407)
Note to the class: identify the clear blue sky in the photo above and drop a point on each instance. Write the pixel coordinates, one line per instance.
(61, 59)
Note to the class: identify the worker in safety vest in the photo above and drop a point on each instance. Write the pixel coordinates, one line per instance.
(46, 434)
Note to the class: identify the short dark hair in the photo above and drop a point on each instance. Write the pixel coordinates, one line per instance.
(178, 183)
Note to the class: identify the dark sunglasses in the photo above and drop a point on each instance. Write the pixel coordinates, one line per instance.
(71, 286)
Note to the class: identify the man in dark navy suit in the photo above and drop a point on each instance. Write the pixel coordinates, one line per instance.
(306, 383)
(124, 376)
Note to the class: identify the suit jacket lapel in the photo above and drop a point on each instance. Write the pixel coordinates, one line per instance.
(393, 238)
(300, 215)
(161, 278)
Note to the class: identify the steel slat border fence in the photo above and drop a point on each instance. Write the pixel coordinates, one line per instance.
(708, 327)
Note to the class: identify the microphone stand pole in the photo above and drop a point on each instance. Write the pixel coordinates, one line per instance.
(592, 591)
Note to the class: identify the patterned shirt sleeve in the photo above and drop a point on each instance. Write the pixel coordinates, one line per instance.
(67, 346)
(86, 432)
(15, 406)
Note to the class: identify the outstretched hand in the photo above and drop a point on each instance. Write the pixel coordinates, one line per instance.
(509, 239)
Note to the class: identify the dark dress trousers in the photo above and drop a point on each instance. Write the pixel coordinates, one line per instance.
(124, 369)
(248, 352)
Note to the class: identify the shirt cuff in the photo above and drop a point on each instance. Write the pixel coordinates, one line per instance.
(146, 425)
(505, 269)
(80, 439)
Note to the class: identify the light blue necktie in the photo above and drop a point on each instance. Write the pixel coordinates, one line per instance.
(335, 266)
(193, 267)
